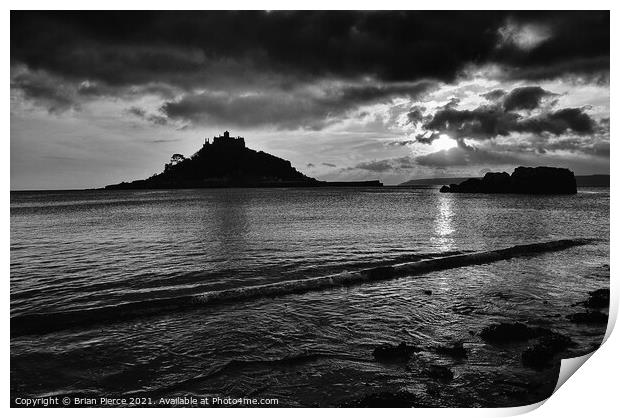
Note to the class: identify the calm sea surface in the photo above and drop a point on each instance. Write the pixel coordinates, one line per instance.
(88, 250)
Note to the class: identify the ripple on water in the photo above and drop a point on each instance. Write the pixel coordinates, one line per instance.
(305, 349)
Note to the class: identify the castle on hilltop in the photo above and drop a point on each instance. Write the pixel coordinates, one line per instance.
(225, 161)
(223, 142)
(226, 141)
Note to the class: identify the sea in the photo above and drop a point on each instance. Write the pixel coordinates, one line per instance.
(104, 290)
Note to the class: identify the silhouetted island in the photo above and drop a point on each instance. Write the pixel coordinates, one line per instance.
(227, 162)
(524, 180)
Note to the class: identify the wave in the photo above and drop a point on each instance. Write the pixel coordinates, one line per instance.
(42, 323)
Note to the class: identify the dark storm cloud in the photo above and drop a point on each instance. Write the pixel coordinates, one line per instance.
(163, 141)
(594, 145)
(125, 48)
(282, 110)
(427, 138)
(482, 122)
(309, 109)
(263, 61)
(416, 114)
(149, 117)
(592, 70)
(561, 121)
(352, 95)
(157, 119)
(494, 95)
(137, 111)
(44, 90)
(565, 51)
(525, 98)
(375, 166)
(500, 119)
(385, 166)
(401, 143)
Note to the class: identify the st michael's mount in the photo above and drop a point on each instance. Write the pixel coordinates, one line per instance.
(227, 162)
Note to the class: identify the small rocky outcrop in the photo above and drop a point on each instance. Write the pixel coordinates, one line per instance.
(524, 180)
(439, 372)
(394, 353)
(511, 332)
(541, 354)
(598, 299)
(589, 317)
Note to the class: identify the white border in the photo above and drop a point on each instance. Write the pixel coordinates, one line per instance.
(593, 391)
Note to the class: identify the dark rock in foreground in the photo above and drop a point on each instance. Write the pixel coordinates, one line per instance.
(439, 372)
(394, 353)
(507, 332)
(588, 317)
(598, 299)
(524, 180)
(383, 400)
(226, 162)
(541, 354)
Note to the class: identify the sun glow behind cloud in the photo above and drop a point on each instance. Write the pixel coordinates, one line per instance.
(444, 142)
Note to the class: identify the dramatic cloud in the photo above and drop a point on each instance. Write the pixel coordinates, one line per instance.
(520, 126)
(149, 117)
(376, 94)
(524, 98)
(494, 95)
(384, 166)
(377, 166)
(194, 50)
(45, 90)
(416, 114)
(524, 36)
(303, 107)
(401, 143)
(499, 119)
(536, 151)
(427, 138)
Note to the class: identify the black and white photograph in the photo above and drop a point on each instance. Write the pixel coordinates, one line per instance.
(306, 209)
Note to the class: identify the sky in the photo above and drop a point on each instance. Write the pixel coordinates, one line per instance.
(103, 97)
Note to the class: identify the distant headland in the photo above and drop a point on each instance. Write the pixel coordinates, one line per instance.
(524, 180)
(227, 162)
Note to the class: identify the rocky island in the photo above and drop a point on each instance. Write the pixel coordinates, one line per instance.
(227, 162)
(524, 180)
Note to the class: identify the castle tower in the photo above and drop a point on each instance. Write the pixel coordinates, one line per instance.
(229, 142)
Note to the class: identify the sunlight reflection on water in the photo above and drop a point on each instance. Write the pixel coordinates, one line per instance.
(444, 224)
